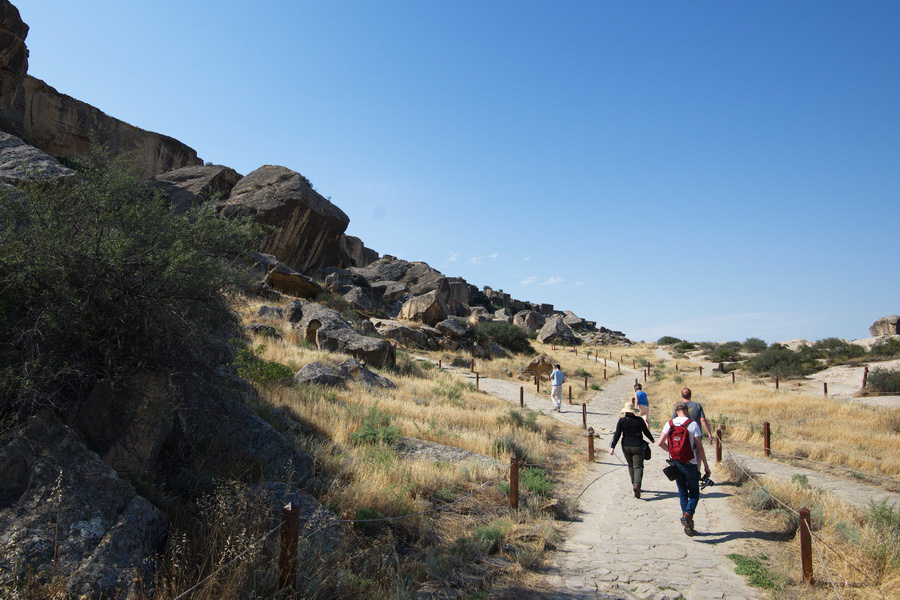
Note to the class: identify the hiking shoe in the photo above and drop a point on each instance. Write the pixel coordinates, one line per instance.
(637, 491)
(688, 524)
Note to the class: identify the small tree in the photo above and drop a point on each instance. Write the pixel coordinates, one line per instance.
(99, 279)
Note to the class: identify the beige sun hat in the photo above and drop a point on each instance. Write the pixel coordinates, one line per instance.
(628, 408)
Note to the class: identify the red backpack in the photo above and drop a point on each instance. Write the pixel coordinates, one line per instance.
(680, 442)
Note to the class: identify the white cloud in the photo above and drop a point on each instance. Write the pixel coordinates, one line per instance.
(476, 260)
(494, 255)
(579, 283)
(527, 258)
(452, 257)
(553, 281)
(528, 280)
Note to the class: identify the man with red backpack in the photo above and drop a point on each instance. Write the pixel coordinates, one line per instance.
(682, 439)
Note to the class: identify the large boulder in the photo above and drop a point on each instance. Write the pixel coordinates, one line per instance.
(319, 374)
(402, 334)
(390, 291)
(338, 281)
(286, 280)
(63, 126)
(541, 366)
(354, 370)
(188, 187)
(327, 330)
(428, 308)
(307, 228)
(13, 68)
(361, 300)
(21, 163)
(502, 316)
(886, 326)
(64, 510)
(555, 331)
(360, 256)
(452, 328)
(387, 268)
(529, 320)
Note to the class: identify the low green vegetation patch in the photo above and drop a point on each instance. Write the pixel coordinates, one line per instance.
(505, 334)
(883, 381)
(253, 368)
(756, 570)
(520, 419)
(376, 429)
(534, 479)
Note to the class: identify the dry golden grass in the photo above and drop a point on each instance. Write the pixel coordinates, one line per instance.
(854, 549)
(815, 427)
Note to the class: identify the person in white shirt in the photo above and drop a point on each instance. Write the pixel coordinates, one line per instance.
(557, 378)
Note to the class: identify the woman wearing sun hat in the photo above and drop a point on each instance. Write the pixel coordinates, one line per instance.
(632, 428)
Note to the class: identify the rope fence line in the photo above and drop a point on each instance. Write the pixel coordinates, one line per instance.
(822, 560)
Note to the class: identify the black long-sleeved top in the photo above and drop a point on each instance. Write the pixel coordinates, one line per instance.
(631, 427)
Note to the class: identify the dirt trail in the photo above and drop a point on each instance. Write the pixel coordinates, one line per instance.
(628, 548)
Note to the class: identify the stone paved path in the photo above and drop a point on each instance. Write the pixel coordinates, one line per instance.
(631, 549)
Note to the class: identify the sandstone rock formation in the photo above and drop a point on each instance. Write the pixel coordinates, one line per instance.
(328, 331)
(13, 68)
(188, 187)
(319, 374)
(63, 508)
(541, 365)
(529, 320)
(428, 308)
(556, 331)
(361, 300)
(390, 291)
(452, 328)
(889, 325)
(354, 370)
(21, 163)
(360, 256)
(63, 126)
(308, 228)
(402, 334)
(284, 279)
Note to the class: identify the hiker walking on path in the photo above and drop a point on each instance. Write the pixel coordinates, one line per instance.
(557, 378)
(641, 402)
(682, 439)
(695, 412)
(632, 429)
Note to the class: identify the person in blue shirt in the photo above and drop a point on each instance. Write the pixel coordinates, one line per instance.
(641, 403)
(557, 378)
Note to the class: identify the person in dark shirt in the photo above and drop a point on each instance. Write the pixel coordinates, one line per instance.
(632, 428)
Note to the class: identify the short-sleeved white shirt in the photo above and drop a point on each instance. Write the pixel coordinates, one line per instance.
(693, 430)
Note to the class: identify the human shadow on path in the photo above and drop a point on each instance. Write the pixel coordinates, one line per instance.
(718, 537)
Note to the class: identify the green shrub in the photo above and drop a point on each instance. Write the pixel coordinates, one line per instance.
(520, 420)
(781, 361)
(667, 340)
(509, 336)
(508, 446)
(376, 429)
(756, 571)
(535, 481)
(883, 380)
(684, 346)
(754, 345)
(884, 542)
(888, 348)
(596, 387)
(836, 350)
(490, 536)
(99, 279)
(253, 368)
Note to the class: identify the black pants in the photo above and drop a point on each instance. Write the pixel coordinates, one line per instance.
(634, 456)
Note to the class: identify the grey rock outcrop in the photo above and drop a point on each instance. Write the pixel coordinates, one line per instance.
(308, 228)
(529, 320)
(390, 291)
(452, 328)
(327, 330)
(61, 504)
(502, 316)
(360, 256)
(354, 370)
(386, 268)
(428, 308)
(319, 374)
(889, 325)
(402, 334)
(21, 163)
(556, 331)
(361, 300)
(189, 187)
(279, 276)
(13, 68)
(541, 366)
(338, 281)
(63, 126)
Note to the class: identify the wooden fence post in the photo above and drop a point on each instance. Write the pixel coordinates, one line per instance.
(767, 439)
(576, 351)
(619, 367)
(718, 445)
(632, 364)
(645, 375)
(604, 373)
(701, 370)
(732, 377)
(472, 367)
(591, 444)
(585, 382)
(477, 380)
(865, 377)
(776, 382)
(440, 366)
(521, 397)
(287, 555)
(584, 415)
(825, 384)
(513, 482)
(604, 361)
(570, 394)
(676, 367)
(806, 546)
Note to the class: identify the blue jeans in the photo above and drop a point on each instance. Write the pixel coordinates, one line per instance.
(687, 477)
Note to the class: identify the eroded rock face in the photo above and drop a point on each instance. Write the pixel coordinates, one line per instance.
(886, 326)
(541, 365)
(428, 308)
(308, 228)
(284, 279)
(354, 370)
(387, 268)
(63, 126)
(13, 68)
(328, 331)
(319, 374)
(188, 187)
(21, 163)
(58, 500)
(390, 291)
(529, 320)
(360, 256)
(405, 336)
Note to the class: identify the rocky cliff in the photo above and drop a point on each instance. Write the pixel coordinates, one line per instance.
(13, 67)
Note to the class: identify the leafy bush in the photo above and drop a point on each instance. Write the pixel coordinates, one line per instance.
(667, 340)
(836, 350)
(724, 352)
(884, 543)
(520, 420)
(99, 279)
(684, 346)
(505, 334)
(883, 380)
(376, 429)
(261, 372)
(535, 481)
(754, 345)
(887, 348)
(781, 361)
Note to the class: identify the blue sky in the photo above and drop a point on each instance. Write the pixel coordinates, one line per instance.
(709, 170)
